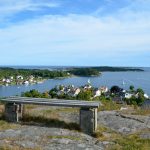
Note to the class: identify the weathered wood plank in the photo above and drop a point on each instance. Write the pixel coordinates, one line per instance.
(52, 102)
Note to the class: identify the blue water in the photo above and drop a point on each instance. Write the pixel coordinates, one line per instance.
(138, 79)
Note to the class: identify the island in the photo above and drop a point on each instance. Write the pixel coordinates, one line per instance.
(13, 76)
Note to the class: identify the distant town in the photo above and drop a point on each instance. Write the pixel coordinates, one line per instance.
(88, 92)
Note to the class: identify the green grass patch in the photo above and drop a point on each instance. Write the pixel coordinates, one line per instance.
(50, 122)
(141, 112)
(109, 105)
(29, 107)
(131, 142)
(5, 125)
(120, 141)
(61, 110)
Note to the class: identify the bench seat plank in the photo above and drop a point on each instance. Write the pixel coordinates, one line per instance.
(51, 102)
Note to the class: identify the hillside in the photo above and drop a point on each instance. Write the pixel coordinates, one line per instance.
(48, 128)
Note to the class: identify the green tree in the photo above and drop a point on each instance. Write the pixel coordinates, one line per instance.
(45, 95)
(85, 95)
(140, 98)
(53, 93)
(139, 90)
(131, 88)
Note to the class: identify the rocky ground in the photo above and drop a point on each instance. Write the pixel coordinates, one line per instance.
(40, 136)
(123, 123)
(44, 138)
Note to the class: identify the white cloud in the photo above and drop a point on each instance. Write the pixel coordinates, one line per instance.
(51, 39)
(11, 7)
(76, 32)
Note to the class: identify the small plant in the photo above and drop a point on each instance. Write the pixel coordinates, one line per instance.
(109, 105)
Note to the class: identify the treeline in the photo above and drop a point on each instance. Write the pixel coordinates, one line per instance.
(7, 72)
(113, 69)
(102, 69)
(84, 72)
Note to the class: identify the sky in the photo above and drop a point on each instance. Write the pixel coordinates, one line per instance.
(75, 32)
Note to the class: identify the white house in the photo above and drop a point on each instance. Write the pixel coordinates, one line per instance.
(104, 89)
(26, 82)
(128, 95)
(74, 92)
(3, 80)
(77, 91)
(8, 81)
(146, 96)
(20, 77)
(31, 78)
(87, 87)
(97, 93)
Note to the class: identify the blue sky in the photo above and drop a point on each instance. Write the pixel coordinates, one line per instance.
(75, 32)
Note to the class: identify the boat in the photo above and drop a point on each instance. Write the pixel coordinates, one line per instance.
(123, 83)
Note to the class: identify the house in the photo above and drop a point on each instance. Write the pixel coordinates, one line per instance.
(146, 96)
(128, 95)
(31, 78)
(77, 91)
(74, 92)
(87, 86)
(97, 92)
(8, 81)
(104, 89)
(3, 80)
(19, 77)
(26, 82)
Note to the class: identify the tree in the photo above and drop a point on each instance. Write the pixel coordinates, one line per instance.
(45, 95)
(115, 89)
(84, 95)
(131, 88)
(140, 98)
(53, 93)
(139, 90)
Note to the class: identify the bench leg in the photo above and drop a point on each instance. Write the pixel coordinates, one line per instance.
(13, 112)
(88, 120)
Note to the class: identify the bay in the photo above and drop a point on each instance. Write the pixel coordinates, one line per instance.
(138, 79)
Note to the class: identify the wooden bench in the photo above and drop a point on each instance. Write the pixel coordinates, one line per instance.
(88, 110)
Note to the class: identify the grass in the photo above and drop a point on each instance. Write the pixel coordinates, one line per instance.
(131, 142)
(67, 110)
(141, 112)
(5, 125)
(108, 105)
(49, 122)
(30, 107)
(50, 118)
(121, 142)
